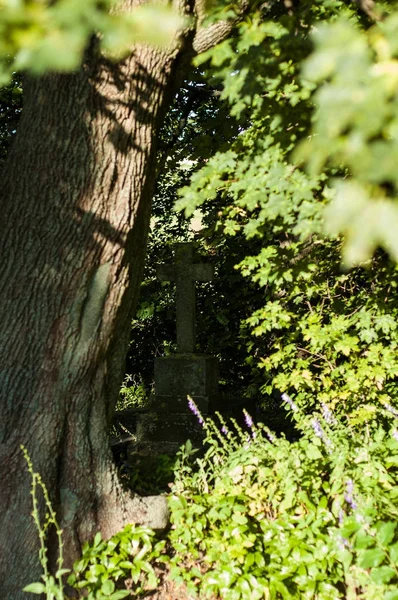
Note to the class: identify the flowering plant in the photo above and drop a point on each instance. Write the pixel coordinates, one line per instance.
(261, 517)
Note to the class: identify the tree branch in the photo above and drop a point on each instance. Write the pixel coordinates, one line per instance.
(212, 35)
(207, 37)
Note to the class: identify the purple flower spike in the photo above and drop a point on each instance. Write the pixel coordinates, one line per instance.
(319, 432)
(250, 423)
(317, 428)
(224, 430)
(248, 420)
(290, 402)
(193, 408)
(327, 414)
(344, 543)
(341, 513)
(348, 496)
(269, 436)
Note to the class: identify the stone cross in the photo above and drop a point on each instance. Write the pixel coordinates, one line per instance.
(185, 272)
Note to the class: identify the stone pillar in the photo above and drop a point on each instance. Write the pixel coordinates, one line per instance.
(184, 373)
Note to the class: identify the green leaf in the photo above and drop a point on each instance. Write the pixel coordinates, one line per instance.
(313, 452)
(120, 594)
(371, 558)
(394, 553)
(125, 564)
(108, 587)
(363, 540)
(382, 575)
(35, 588)
(385, 533)
(239, 518)
(98, 570)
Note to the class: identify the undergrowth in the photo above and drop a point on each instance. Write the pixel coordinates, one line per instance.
(259, 517)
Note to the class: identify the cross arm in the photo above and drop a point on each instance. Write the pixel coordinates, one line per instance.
(203, 272)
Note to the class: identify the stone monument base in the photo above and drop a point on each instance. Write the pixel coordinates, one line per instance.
(180, 375)
(174, 428)
(168, 418)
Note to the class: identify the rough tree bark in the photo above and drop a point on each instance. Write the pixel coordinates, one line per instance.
(75, 206)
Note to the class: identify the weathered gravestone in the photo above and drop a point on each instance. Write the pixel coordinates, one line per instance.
(184, 373)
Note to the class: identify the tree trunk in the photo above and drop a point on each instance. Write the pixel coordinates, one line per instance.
(75, 208)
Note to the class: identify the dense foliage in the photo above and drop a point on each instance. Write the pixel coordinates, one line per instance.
(321, 333)
(260, 517)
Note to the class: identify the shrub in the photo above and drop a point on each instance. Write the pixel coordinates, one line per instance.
(127, 555)
(260, 517)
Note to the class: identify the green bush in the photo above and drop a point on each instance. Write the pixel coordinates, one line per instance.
(256, 516)
(127, 555)
(260, 517)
